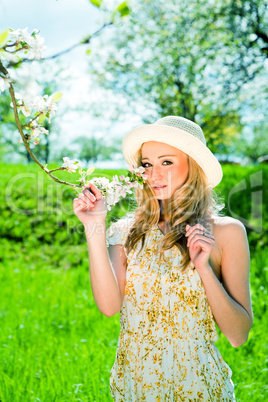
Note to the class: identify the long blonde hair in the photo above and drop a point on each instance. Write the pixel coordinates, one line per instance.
(194, 202)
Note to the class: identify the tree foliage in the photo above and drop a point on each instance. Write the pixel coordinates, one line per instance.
(186, 58)
(93, 149)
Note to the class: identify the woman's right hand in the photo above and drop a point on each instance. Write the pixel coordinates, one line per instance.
(90, 206)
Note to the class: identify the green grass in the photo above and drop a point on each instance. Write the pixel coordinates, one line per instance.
(53, 338)
(54, 343)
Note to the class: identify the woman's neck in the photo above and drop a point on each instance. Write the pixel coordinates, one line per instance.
(163, 216)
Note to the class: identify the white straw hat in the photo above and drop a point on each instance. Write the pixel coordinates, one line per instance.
(180, 133)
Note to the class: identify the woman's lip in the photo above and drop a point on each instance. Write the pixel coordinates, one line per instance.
(159, 188)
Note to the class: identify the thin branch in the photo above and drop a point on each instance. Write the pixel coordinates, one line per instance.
(30, 122)
(54, 170)
(11, 44)
(15, 109)
(84, 42)
(54, 56)
(11, 90)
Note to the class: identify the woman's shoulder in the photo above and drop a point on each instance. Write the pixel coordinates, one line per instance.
(226, 223)
(226, 229)
(117, 231)
(124, 221)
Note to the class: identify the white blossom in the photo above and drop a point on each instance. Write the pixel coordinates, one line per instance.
(41, 104)
(38, 129)
(44, 104)
(4, 83)
(11, 57)
(100, 182)
(113, 190)
(70, 164)
(25, 110)
(36, 48)
(33, 41)
(140, 169)
(22, 35)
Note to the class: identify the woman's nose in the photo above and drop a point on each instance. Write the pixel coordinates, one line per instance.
(156, 173)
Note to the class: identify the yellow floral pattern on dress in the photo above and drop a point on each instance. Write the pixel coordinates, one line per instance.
(166, 348)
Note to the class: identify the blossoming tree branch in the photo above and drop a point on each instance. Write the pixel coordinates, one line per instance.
(17, 46)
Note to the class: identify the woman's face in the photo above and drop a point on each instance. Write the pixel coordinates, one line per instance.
(166, 166)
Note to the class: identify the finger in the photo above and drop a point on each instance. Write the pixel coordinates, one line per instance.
(191, 229)
(79, 207)
(198, 239)
(89, 195)
(203, 234)
(77, 203)
(86, 200)
(91, 187)
(197, 229)
(190, 234)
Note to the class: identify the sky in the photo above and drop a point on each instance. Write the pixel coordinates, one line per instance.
(63, 23)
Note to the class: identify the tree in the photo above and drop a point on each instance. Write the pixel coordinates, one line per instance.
(25, 79)
(92, 149)
(184, 58)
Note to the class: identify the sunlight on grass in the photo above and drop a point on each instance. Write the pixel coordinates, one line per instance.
(55, 345)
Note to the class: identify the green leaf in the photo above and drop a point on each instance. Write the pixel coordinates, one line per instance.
(80, 170)
(90, 170)
(96, 3)
(57, 96)
(123, 9)
(3, 37)
(88, 51)
(86, 39)
(41, 118)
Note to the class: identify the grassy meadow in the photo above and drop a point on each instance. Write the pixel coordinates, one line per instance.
(55, 345)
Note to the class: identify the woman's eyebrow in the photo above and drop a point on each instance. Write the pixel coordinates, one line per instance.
(163, 156)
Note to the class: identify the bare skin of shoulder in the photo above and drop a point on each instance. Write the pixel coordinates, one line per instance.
(219, 228)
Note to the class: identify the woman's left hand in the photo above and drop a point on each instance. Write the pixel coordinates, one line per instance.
(200, 242)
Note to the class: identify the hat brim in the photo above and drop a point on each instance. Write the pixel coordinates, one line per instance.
(177, 138)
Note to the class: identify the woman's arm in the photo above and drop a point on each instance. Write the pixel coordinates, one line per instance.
(230, 301)
(107, 273)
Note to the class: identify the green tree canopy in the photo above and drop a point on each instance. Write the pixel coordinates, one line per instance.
(93, 149)
(186, 58)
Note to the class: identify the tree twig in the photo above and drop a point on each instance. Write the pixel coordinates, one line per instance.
(30, 122)
(16, 114)
(15, 109)
(54, 56)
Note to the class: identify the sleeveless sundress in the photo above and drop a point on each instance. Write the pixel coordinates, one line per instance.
(166, 348)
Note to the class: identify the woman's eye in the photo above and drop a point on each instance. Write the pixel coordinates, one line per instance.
(147, 163)
(170, 163)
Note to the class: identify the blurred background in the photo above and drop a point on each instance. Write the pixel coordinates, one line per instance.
(139, 61)
(204, 60)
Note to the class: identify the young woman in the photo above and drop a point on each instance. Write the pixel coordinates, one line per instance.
(175, 268)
